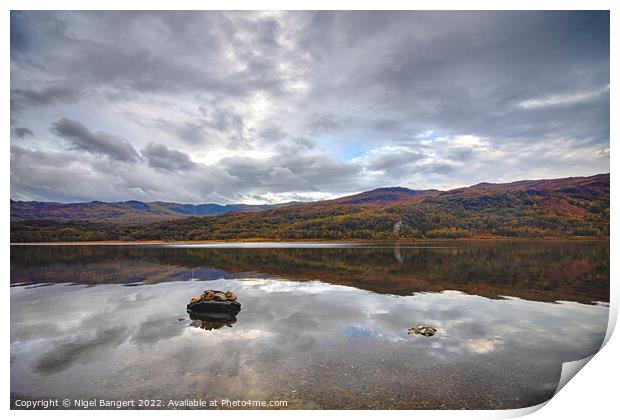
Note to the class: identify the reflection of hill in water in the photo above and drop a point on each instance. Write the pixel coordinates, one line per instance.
(544, 271)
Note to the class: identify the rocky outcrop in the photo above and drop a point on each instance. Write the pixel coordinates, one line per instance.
(422, 330)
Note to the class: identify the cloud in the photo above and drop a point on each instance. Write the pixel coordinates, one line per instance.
(563, 99)
(160, 156)
(289, 173)
(22, 132)
(390, 160)
(82, 138)
(29, 98)
(277, 105)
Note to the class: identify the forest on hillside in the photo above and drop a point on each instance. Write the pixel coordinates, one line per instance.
(449, 215)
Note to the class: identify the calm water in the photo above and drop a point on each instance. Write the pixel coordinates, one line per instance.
(320, 326)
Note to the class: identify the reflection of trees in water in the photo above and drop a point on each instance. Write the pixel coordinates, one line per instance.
(397, 255)
(539, 270)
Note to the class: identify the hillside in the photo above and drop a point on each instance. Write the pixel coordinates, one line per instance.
(541, 208)
(141, 212)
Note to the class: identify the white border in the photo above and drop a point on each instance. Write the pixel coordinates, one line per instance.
(592, 395)
(310, 5)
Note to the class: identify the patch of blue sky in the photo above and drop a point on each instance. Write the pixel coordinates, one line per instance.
(350, 145)
(358, 331)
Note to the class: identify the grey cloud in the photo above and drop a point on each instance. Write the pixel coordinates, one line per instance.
(197, 40)
(191, 133)
(322, 123)
(225, 120)
(290, 172)
(100, 143)
(161, 157)
(461, 154)
(57, 177)
(69, 176)
(212, 125)
(440, 168)
(413, 163)
(396, 159)
(25, 98)
(306, 94)
(466, 80)
(22, 132)
(272, 134)
(303, 143)
(283, 141)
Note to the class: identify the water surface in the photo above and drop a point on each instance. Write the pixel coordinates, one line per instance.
(320, 326)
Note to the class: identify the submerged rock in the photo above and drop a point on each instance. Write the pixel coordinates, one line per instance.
(422, 330)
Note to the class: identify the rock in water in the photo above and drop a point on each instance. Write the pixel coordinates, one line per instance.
(214, 306)
(214, 303)
(422, 330)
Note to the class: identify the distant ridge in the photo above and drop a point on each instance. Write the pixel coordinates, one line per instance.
(131, 211)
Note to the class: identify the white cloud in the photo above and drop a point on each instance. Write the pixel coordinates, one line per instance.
(563, 99)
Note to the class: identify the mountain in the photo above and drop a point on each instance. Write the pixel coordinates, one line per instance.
(577, 206)
(122, 212)
(382, 196)
(141, 212)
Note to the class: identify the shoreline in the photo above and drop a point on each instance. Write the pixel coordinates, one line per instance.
(310, 241)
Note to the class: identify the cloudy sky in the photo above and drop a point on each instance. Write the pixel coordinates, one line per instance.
(260, 107)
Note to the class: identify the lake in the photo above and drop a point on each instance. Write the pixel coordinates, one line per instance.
(320, 326)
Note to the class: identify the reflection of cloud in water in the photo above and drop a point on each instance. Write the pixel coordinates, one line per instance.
(243, 335)
(285, 286)
(153, 330)
(103, 341)
(484, 346)
(80, 350)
